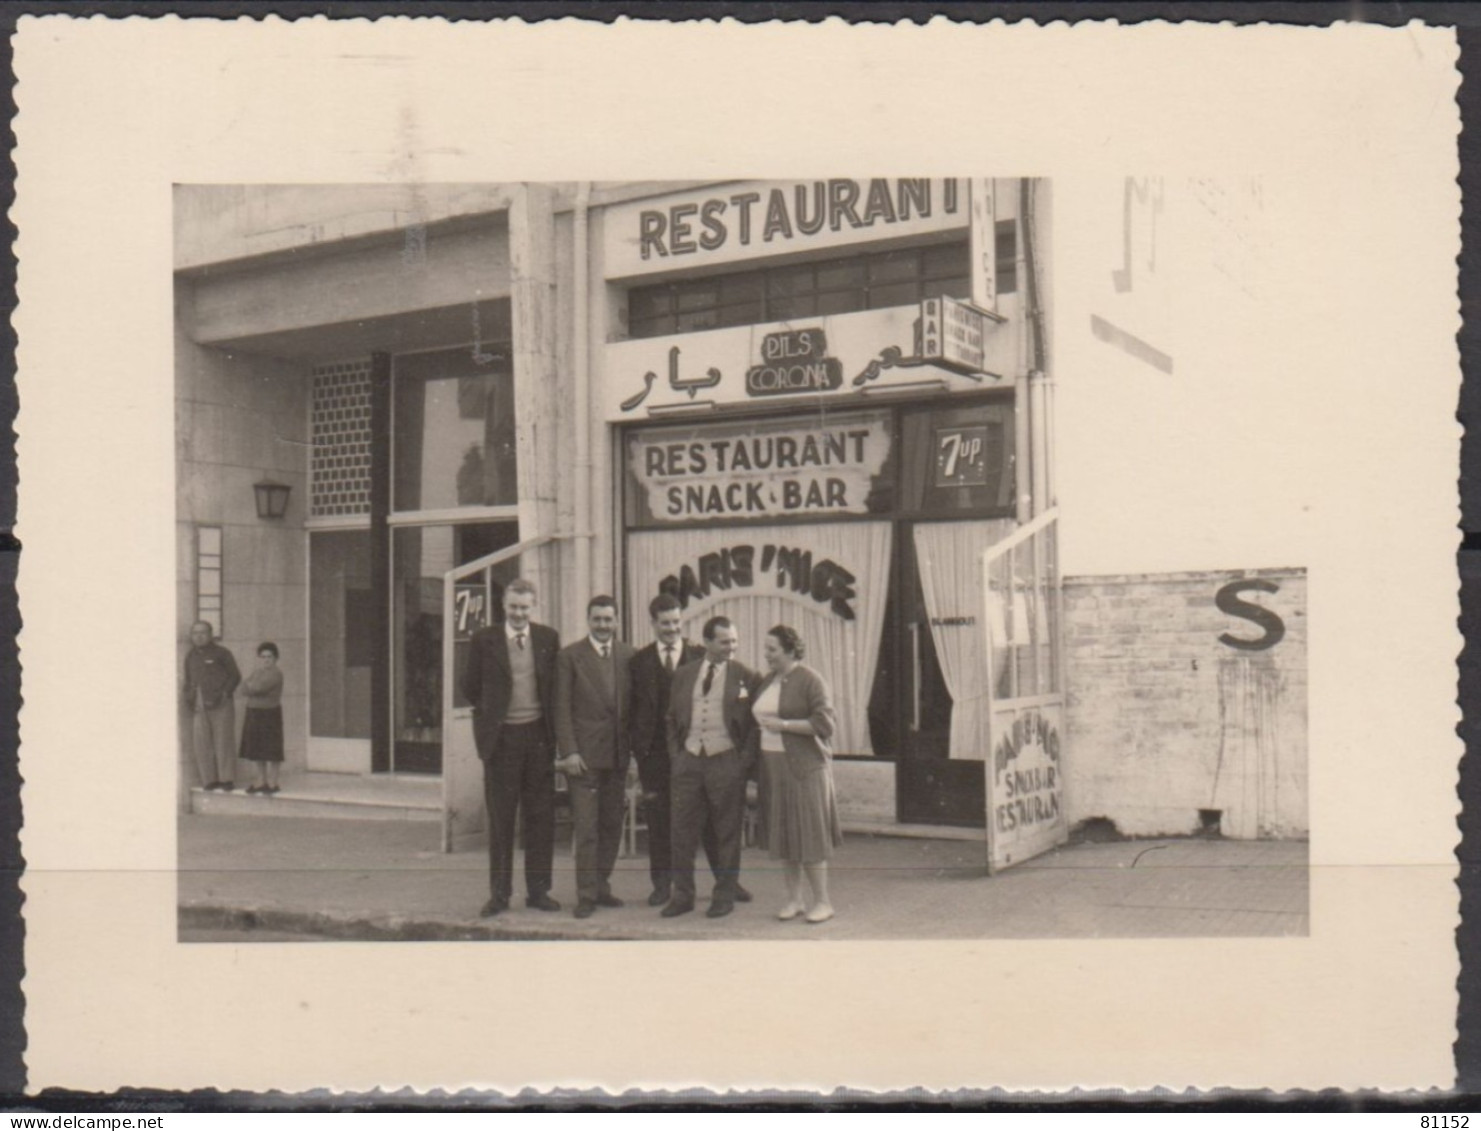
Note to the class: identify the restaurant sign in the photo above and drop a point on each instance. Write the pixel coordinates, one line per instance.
(745, 220)
(1025, 782)
(758, 471)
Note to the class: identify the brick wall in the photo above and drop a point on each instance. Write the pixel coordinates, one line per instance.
(1165, 719)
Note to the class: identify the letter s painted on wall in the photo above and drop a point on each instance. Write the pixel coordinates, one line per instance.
(1229, 602)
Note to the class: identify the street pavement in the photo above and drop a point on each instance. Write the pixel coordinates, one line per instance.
(273, 879)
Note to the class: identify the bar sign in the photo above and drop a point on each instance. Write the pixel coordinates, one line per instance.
(954, 334)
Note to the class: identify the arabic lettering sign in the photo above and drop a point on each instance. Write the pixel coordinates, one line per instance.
(739, 364)
(757, 471)
(733, 223)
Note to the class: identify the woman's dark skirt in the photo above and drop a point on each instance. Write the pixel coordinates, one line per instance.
(262, 734)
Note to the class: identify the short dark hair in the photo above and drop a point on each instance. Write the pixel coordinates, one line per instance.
(790, 640)
(268, 646)
(601, 601)
(663, 603)
(715, 623)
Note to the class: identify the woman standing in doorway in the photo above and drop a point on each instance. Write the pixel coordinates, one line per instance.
(262, 724)
(795, 720)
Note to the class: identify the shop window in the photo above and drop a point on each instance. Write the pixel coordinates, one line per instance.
(208, 577)
(958, 461)
(805, 290)
(453, 431)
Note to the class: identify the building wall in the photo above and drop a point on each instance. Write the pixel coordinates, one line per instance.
(1165, 719)
(240, 419)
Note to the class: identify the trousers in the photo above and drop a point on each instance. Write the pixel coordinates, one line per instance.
(519, 776)
(707, 788)
(213, 739)
(598, 804)
(653, 771)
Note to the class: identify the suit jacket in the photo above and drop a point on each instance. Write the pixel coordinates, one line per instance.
(649, 682)
(487, 682)
(591, 705)
(735, 707)
(804, 696)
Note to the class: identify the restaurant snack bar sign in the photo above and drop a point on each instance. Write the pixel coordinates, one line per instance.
(760, 471)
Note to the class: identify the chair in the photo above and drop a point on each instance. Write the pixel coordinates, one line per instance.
(632, 820)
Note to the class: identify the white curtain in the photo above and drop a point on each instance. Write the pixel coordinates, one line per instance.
(845, 651)
(949, 555)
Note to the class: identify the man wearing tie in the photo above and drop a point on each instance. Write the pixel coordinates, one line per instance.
(510, 680)
(709, 727)
(591, 737)
(651, 675)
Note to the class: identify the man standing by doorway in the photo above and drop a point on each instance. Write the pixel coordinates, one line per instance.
(709, 730)
(591, 737)
(510, 680)
(652, 675)
(211, 679)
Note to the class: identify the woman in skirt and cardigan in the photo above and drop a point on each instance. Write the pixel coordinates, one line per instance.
(795, 720)
(262, 722)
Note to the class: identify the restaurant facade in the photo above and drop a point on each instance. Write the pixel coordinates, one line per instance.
(829, 403)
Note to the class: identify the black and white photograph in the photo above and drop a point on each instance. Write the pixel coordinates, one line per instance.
(651, 556)
(593, 560)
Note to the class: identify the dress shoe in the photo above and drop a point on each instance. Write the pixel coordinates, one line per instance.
(607, 899)
(211, 785)
(720, 908)
(228, 786)
(257, 789)
(742, 895)
(585, 908)
(659, 897)
(542, 902)
(493, 907)
(674, 909)
(820, 914)
(791, 911)
(269, 789)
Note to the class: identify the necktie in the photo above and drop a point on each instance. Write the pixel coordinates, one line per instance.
(604, 651)
(668, 657)
(519, 638)
(709, 679)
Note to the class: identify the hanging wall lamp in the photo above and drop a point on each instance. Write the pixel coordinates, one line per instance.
(272, 498)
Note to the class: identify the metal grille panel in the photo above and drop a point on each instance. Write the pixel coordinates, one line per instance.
(340, 481)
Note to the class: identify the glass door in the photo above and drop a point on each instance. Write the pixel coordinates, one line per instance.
(420, 556)
(931, 787)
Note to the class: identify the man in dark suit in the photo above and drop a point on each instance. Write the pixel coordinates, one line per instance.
(650, 677)
(591, 737)
(510, 680)
(709, 730)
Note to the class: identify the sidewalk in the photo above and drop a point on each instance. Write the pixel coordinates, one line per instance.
(273, 878)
